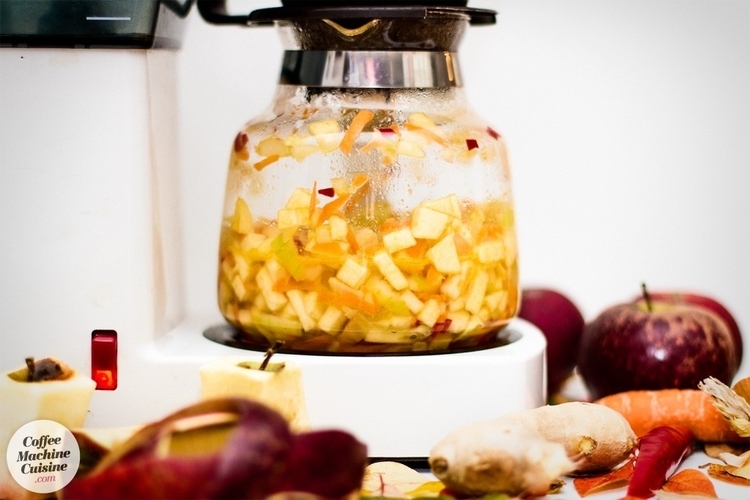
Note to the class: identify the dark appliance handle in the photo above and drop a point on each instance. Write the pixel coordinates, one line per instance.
(215, 12)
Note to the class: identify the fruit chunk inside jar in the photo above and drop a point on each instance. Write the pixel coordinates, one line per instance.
(443, 275)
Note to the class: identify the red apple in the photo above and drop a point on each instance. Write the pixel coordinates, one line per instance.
(224, 448)
(709, 303)
(562, 324)
(649, 345)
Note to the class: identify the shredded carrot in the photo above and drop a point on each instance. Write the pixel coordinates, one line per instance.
(391, 224)
(314, 199)
(329, 253)
(351, 238)
(359, 181)
(288, 284)
(646, 410)
(260, 165)
(346, 299)
(359, 121)
(418, 250)
(332, 207)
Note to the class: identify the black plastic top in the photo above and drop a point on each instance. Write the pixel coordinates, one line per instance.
(214, 11)
(142, 24)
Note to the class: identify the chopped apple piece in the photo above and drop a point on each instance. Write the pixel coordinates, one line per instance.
(338, 227)
(447, 204)
(477, 288)
(293, 217)
(355, 329)
(365, 238)
(384, 294)
(323, 127)
(300, 147)
(430, 312)
(322, 235)
(327, 133)
(475, 324)
(313, 307)
(252, 241)
(459, 320)
(297, 301)
(413, 302)
(242, 220)
(332, 320)
(242, 268)
(389, 270)
(352, 273)
(239, 288)
(300, 198)
(421, 120)
(272, 146)
(274, 300)
(399, 240)
(444, 256)
(428, 223)
(497, 301)
(340, 185)
(452, 286)
(488, 252)
(408, 148)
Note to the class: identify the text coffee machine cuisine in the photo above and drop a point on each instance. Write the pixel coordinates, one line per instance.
(367, 235)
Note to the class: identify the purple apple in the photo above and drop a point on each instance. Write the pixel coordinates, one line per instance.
(709, 303)
(328, 463)
(562, 324)
(250, 464)
(651, 345)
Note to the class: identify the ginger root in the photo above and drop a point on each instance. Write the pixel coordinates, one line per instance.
(498, 457)
(596, 437)
(523, 453)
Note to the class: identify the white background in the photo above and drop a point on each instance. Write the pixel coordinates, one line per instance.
(628, 124)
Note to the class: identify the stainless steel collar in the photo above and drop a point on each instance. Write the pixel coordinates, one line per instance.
(370, 69)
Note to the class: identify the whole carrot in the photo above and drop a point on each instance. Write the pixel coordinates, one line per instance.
(646, 410)
(659, 454)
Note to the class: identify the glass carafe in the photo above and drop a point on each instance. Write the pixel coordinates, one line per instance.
(369, 210)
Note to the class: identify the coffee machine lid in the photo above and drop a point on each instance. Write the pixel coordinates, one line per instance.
(140, 24)
(214, 11)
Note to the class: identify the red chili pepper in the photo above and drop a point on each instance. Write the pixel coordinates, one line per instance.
(326, 192)
(659, 454)
(493, 133)
(471, 144)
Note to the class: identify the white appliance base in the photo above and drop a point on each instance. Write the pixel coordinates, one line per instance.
(399, 406)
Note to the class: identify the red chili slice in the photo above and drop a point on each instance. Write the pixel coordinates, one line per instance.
(493, 133)
(472, 144)
(326, 192)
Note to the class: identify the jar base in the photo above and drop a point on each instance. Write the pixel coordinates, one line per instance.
(229, 335)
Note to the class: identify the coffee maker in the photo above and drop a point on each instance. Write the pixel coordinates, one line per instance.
(92, 254)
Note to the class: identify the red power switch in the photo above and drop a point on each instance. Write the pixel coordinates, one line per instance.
(104, 359)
